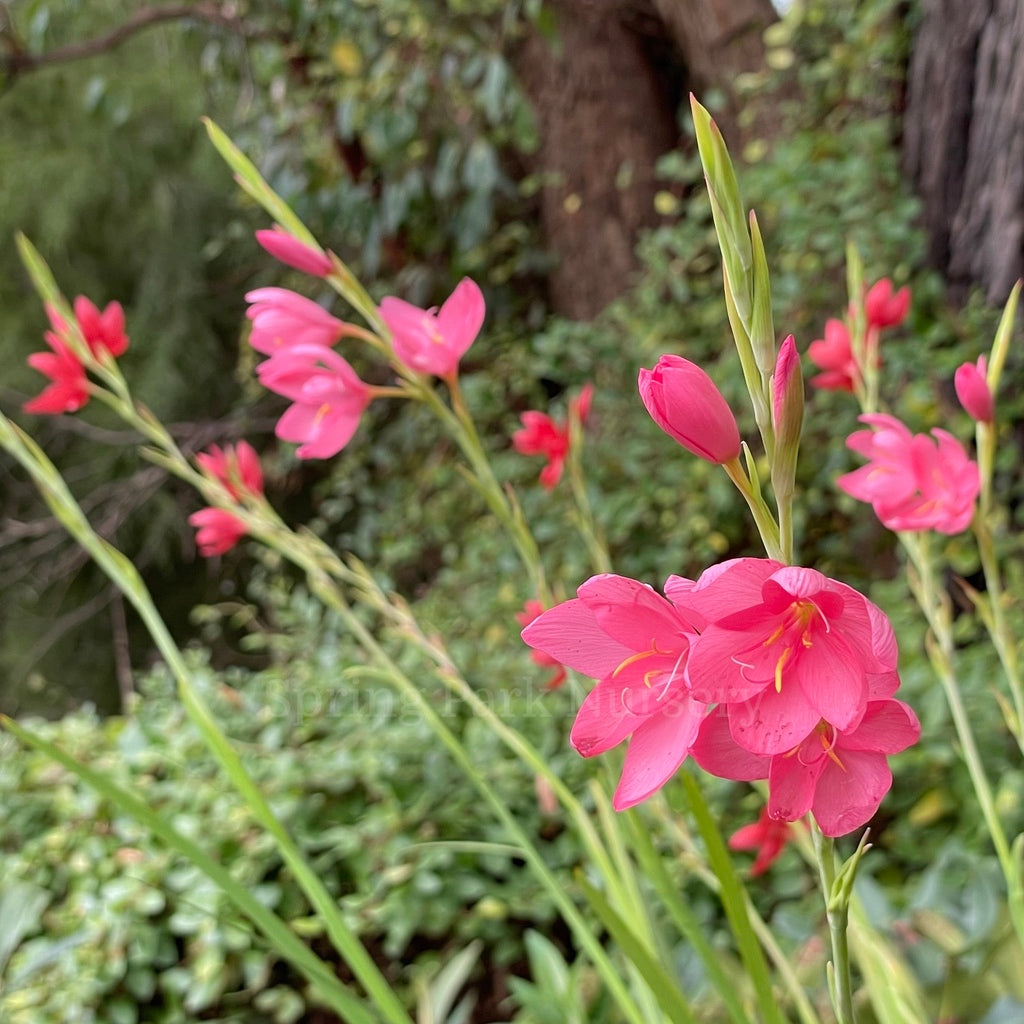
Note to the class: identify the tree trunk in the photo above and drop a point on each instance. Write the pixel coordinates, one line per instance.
(963, 144)
(718, 41)
(607, 90)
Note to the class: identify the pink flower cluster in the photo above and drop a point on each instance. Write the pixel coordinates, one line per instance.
(913, 481)
(542, 435)
(68, 389)
(298, 335)
(833, 354)
(757, 670)
(237, 469)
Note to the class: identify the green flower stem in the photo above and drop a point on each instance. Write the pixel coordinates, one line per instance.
(995, 621)
(735, 902)
(763, 519)
(837, 914)
(332, 597)
(585, 521)
(459, 424)
(124, 575)
(934, 602)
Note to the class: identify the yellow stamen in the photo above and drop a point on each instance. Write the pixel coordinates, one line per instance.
(639, 656)
(779, 666)
(321, 413)
(829, 747)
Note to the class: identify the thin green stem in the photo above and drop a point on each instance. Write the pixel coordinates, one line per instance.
(281, 938)
(994, 599)
(588, 527)
(124, 575)
(837, 913)
(934, 602)
(763, 519)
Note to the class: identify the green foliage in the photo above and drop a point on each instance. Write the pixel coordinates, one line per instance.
(127, 931)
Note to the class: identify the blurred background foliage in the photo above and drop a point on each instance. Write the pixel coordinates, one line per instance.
(402, 135)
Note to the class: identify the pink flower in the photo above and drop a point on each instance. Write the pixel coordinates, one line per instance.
(834, 355)
(69, 387)
(103, 332)
(883, 308)
(912, 481)
(533, 609)
(289, 250)
(635, 643)
(541, 435)
(217, 530)
(328, 398)
(767, 836)
(784, 647)
(840, 777)
(973, 391)
(433, 342)
(237, 467)
(281, 318)
(683, 400)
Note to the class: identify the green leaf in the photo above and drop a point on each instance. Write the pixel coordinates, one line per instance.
(666, 990)
(21, 903)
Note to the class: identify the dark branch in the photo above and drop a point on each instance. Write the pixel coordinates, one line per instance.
(18, 60)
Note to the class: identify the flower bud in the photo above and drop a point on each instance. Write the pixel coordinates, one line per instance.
(973, 391)
(288, 249)
(683, 400)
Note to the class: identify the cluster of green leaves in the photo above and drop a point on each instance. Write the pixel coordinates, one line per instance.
(396, 128)
(124, 931)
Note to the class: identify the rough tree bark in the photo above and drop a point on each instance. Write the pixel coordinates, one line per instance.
(607, 91)
(963, 144)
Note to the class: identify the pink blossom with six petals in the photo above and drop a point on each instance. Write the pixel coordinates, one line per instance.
(885, 308)
(68, 389)
(217, 530)
(784, 647)
(429, 341)
(542, 435)
(237, 467)
(635, 643)
(768, 836)
(328, 398)
(913, 481)
(103, 332)
(840, 777)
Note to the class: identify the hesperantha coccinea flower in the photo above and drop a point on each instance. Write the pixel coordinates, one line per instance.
(434, 340)
(281, 318)
(542, 435)
(839, 776)
(635, 643)
(767, 836)
(784, 648)
(237, 468)
(290, 251)
(884, 306)
(68, 389)
(328, 398)
(973, 391)
(833, 355)
(913, 481)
